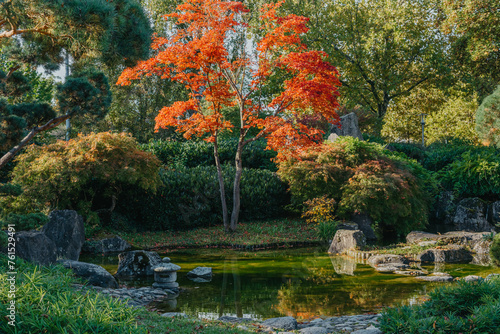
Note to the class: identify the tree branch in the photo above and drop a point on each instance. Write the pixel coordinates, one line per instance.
(47, 126)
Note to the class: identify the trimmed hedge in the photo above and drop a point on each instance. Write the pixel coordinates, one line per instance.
(190, 198)
(201, 153)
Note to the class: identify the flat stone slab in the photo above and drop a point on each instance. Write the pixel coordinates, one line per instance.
(391, 267)
(431, 278)
(286, 323)
(314, 330)
(410, 272)
(234, 320)
(471, 278)
(174, 315)
(370, 330)
(380, 259)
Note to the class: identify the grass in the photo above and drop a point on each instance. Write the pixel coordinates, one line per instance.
(248, 234)
(47, 302)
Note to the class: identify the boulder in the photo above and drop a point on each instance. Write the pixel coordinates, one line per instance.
(348, 127)
(36, 247)
(137, 263)
(94, 274)
(65, 228)
(346, 239)
(346, 225)
(452, 254)
(364, 223)
(286, 323)
(492, 276)
(445, 208)
(106, 246)
(494, 213)
(203, 273)
(482, 246)
(471, 215)
(377, 260)
(234, 320)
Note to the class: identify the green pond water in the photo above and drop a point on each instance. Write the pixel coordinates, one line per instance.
(303, 283)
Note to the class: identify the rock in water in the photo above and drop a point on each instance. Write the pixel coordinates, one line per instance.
(65, 228)
(346, 239)
(137, 263)
(204, 273)
(451, 255)
(94, 274)
(287, 323)
(377, 260)
(364, 223)
(36, 247)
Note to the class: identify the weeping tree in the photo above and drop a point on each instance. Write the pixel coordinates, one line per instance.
(39, 33)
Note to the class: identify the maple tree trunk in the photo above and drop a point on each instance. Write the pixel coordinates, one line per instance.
(221, 186)
(236, 188)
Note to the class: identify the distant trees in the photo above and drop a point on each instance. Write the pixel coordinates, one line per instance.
(488, 118)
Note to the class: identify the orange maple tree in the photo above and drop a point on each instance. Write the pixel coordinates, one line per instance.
(198, 54)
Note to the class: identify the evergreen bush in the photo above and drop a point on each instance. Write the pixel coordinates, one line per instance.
(488, 118)
(200, 153)
(190, 197)
(464, 307)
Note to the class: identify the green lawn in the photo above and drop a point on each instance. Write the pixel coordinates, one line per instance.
(248, 234)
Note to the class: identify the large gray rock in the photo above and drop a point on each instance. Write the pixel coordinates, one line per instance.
(94, 274)
(370, 330)
(445, 207)
(287, 323)
(137, 263)
(391, 267)
(349, 127)
(346, 239)
(471, 215)
(380, 259)
(106, 246)
(36, 247)
(494, 213)
(65, 228)
(453, 254)
(364, 223)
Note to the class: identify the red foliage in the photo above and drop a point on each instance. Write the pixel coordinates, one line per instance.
(197, 56)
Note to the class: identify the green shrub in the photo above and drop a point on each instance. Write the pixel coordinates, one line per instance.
(495, 250)
(190, 198)
(464, 307)
(326, 230)
(363, 177)
(201, 153)
(46, 302)
(474, 174)
(488, 118)
(26, 222)
(85, 174)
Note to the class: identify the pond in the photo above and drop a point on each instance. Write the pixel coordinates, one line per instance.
(303, 283)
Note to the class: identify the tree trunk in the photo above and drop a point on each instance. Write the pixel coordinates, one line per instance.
(47, 126)
(236, 188)
(221, 186)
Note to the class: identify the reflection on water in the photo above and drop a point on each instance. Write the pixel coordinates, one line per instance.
(300, 282)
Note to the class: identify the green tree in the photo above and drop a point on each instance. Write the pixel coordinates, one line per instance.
(474, 29)
(488, 118)
(450, 114)
(382, 48)
(36, 33)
